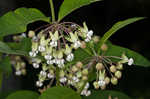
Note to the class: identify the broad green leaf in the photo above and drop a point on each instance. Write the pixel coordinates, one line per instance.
(102, 94)
(59, 93)
(70, 5)
(23, 95)
(16, 21)
(114, 50)
(5, 65)
(4, 48)
(115, 28)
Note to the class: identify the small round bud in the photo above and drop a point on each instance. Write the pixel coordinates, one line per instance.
(119, 66)
(96, 39)
(83, 44)
(112, 68)
(114, 80)
(107, 80)
(70, 76)
(104, 47)
(118, 74)
(74, 69)
(96, 85)
(99, 66)
(31, 34)
(79, 65)
(84, 78)
(85, 71)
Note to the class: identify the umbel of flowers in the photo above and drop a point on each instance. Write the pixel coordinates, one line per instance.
(52, 49)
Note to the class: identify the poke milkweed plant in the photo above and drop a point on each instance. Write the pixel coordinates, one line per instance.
(75, 62)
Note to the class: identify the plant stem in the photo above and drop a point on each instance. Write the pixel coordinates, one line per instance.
(52, 10)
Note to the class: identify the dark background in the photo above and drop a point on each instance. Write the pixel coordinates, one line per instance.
(100, 17)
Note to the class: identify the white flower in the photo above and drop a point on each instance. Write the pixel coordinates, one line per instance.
(63, 79)
(87, 40)
(130, 61)
(101, 82)
(32, 54)
(39, 84)
(75, 79)
(18, 73)
(34, 38)
(48, 57)
(60, 65)
(83, 92)
(23, 35)
(88, 93)
(36, 65)
(77, 44)
(70, 57)
(41, 48)
(87, 86)
(50, 62)
(43, 73)
(90, 33)
(53, 43)
(49, 75)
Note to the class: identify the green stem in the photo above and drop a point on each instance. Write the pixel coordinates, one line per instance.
(52, 10)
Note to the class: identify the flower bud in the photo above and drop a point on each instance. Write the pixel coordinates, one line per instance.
(84, 78)
(114, 80)
(96, 39)
(112, 68)
(85, 71)
(23, 72)
(107, 80)
(119, 66)
(61, 73)
(118, 74)
(104, 47)
(31, 34)
(83, 44)
(74, 69)
(99, 66)
(79, 65)
(79, 74)
(96, 85)
(80, 84)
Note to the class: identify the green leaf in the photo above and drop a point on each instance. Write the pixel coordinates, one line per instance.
(115, 28)
(59, 93)
(69, 6)
(114, 50)
(23, 95)
(101, 94)
(4, 48)
(5, 65)
(17, 21)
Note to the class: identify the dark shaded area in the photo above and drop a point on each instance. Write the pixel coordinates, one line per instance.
(100, 17)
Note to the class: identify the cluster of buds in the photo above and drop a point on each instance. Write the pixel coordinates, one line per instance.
(108, 71)
(19, 65)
